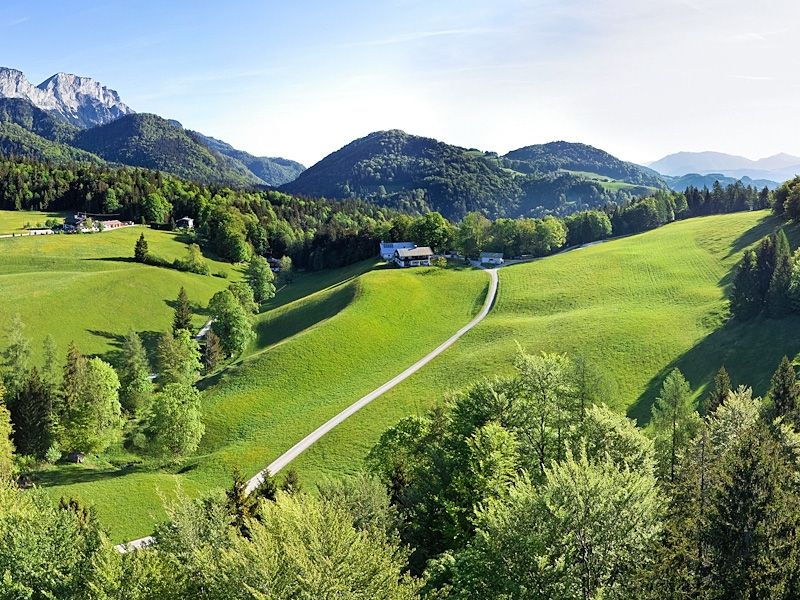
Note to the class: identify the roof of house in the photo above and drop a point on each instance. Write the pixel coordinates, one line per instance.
(421, 252)
(112, 222)
(185, 219)
(491, 255)
(396, 245)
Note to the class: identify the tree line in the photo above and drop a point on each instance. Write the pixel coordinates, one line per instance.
(523, 486)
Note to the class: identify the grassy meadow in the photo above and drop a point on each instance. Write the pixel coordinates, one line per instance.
(87, 289)
(314, 357)
(14, 221)
(636, 307)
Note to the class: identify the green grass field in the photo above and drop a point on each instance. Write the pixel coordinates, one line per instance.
(87, 289)
(323, 352)
(14, 221)
(636, 307)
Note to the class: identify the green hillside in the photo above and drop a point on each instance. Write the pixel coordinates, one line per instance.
(86, 289)
(635, 307)
(144, 140)
(415, 173)
(323, 352)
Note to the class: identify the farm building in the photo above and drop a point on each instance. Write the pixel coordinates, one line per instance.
(113, 224)
(492, 258)
(413, 257)
(40, 231)
(388, 248)
(185, 223)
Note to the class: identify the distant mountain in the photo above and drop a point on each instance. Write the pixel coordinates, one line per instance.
(555, 156)
(145, 140)
(416, 173)
(81, 101)
(775, 168)
(273, 171)
(696, 180)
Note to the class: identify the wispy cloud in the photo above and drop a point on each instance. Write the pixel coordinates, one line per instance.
(414, 36)
(14, 22)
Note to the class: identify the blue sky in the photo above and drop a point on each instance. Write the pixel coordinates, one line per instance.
(640, 78)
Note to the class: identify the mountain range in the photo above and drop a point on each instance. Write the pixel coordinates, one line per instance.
(776, 168)
(67, 117)
(417, 173)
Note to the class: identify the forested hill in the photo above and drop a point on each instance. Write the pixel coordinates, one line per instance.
(145, 140)
(567, 156)
(393, 168)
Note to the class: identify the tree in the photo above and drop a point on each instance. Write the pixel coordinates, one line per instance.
(286, 270)
(16, 356)
(291, 482)
(141, 252)
(674, 421)
(91, 419)
(212, 354)
(193, 262)
(136, 387)
(32, 416)
(587, 532)
(241, 505)
(778, 295)
(473, 234)
(178, 358)
(49, 354)
(6, 443)
(155, 207)
(183, 313)
(722, 387)
(745, 294)
(260, 278)
(175, 425)
(784, 393)
(432, 229)
(231, 322)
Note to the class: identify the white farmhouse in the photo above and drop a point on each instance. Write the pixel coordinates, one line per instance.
(492, 258)
(413, 257)
(388, 248)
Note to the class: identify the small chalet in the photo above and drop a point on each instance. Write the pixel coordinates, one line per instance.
(492, 258)
(413, 257)
(112, 224)
(185, 223)
(388, 248)
(40, 231)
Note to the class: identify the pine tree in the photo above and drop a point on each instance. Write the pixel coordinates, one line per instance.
(72, 383)
(16, 356)
(745, 299)
(267, 489)
(141, 252)
(136, 388)
(50, 352)
(32, 416)
(240, 504)
(183, 313)
(784, 392)
(212, 354)
(291, 482)
(674, 420)
(6, 435)
(765, 261)
(778, 300)
(722, 386)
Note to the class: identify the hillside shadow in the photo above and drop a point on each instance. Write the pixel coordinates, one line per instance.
(117, 342)
(196, 308)
(764, 227)
(78, 475)
(750, 351)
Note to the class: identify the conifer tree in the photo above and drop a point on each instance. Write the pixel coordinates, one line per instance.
(16, 356)
(213, 354)
(32, 416)
(50, 352)
(291, 482)
(6, 435)
(765, 259)
(722, 386)
(674, 420)
(240, 504)
(778, 299)
(136, 388)
(140, 252)
(784, 392)
(183, 313)
(745, 298)
(72, 383)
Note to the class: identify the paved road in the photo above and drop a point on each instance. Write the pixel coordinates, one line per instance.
(303, 445)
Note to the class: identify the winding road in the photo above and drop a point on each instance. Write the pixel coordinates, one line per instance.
(303, 445)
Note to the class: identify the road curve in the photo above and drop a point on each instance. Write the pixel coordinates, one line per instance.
(303, 445)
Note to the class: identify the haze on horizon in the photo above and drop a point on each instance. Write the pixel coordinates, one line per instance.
(639, 78)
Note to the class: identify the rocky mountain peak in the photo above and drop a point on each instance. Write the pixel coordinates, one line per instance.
(80, 100)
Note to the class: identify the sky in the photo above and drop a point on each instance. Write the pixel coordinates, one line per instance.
(300, 79)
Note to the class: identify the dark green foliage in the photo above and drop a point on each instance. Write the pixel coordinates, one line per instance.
(722, 387)
(763, 279)
(183, 313)
(32, 416)
(212, 353)
(241, 505)
(291, 482)
(140, 252)
(784, 393)
(745, 296)
(587, 226)
(777, 300)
